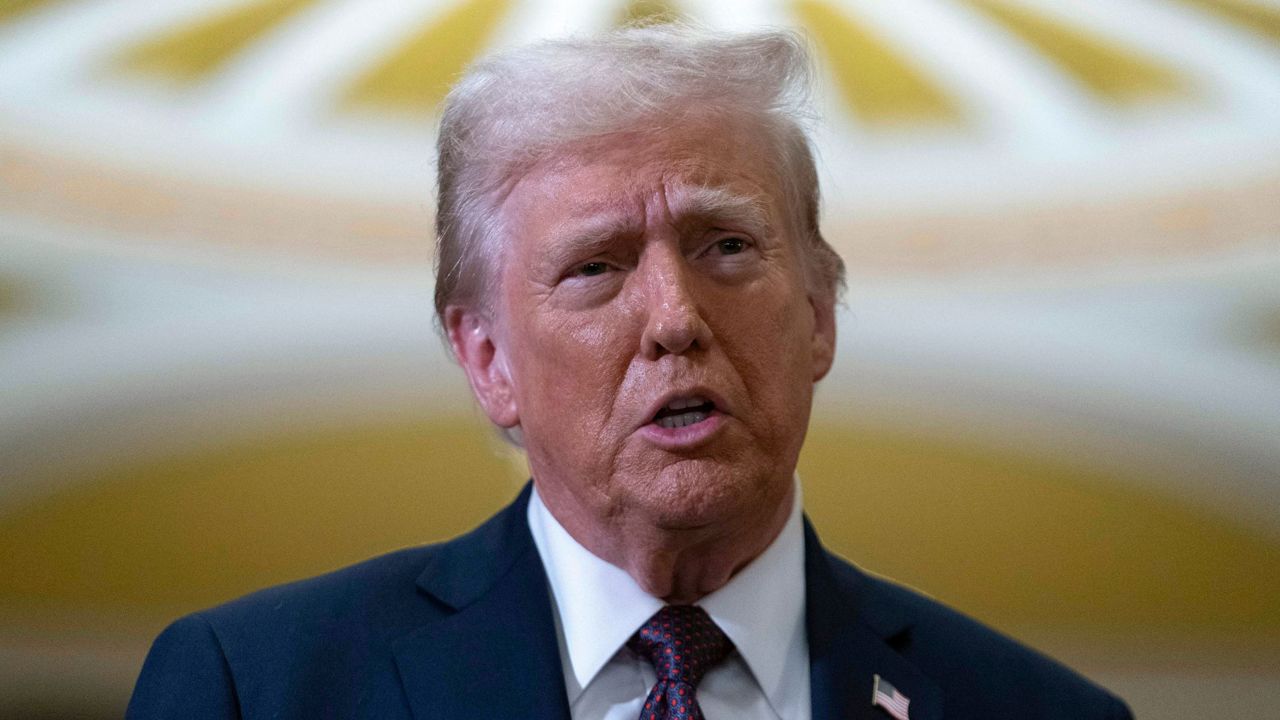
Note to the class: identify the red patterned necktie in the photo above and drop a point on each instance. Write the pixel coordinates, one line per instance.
(683, 643)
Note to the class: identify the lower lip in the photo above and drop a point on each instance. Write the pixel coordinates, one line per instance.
(686, 437)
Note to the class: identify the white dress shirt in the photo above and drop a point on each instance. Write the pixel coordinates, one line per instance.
(599, 606)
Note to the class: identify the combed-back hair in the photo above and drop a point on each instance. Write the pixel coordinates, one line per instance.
(517, 107)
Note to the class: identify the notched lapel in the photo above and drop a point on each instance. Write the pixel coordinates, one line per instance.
(845, 652)
(841, 681)
(493, 653)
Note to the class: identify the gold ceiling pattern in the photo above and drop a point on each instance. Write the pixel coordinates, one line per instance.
(649, 11)
(194, 51)
(14, 8)
(879, 84)
(1262, 19)
(1114, 73)
(416, 76)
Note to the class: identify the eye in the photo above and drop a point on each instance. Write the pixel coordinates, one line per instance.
(731, 245)
(727, 245)
(730, 257)
(593, 268)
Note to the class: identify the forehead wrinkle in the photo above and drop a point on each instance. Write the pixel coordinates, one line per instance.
(578, 217)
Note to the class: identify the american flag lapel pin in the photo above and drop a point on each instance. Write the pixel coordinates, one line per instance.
(887, 697)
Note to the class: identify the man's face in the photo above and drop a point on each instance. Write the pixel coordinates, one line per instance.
(652, 334)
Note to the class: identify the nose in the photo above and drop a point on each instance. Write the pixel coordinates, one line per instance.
(675, 324)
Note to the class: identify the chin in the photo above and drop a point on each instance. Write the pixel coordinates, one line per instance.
(695, 494)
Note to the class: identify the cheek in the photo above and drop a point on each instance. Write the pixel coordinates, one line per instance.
(769, 341)
(571, 363)
(769, 318)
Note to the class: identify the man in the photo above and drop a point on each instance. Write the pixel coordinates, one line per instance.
(631, 276)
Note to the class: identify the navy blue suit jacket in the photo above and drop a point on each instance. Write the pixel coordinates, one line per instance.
(464, 629)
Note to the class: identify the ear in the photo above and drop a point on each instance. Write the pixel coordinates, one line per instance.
(824, 333)
(483, 360)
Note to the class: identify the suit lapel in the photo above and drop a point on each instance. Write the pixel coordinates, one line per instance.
(849, 645)
(495, 622)
(496, 629)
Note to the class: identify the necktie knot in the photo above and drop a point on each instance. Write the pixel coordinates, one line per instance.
(682, 642)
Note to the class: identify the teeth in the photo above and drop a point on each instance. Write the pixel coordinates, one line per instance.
(682, 403)
(672, 422)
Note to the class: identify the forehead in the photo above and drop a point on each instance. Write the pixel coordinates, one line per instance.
(620, 174)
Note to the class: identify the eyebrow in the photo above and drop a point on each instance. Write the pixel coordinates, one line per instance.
(686, 203)
(721, 205)
(589, 237)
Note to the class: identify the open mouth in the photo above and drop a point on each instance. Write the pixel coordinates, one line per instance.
(682, 412)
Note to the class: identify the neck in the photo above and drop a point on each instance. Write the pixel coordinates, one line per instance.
(681, 566)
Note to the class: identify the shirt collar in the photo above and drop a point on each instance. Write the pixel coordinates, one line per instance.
(761, 608)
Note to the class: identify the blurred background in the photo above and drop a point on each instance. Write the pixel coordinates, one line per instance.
(1056, 404)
